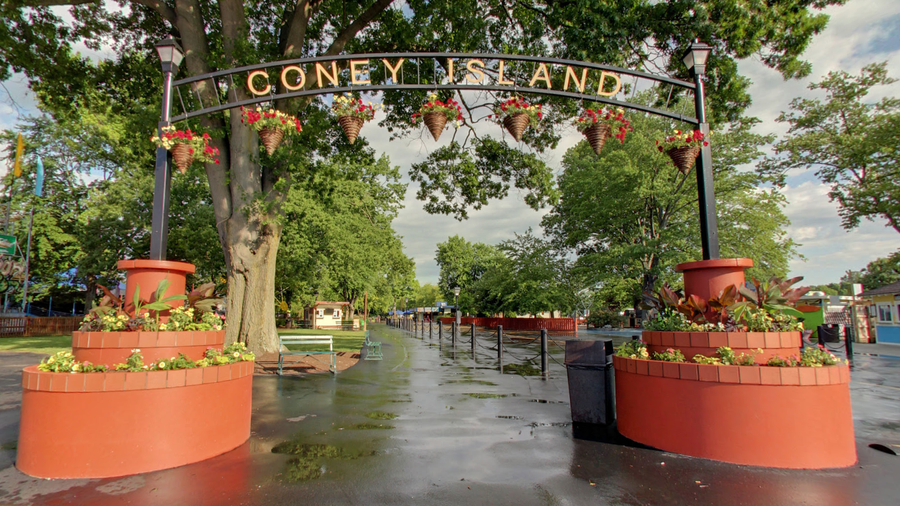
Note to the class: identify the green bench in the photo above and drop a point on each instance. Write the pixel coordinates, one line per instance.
(373, 348)
(287, 339)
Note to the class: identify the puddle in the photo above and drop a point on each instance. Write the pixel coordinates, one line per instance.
(479, 395)
(381, 415)
(521, 369)
(472, 382)
(307, 462)
(369, 426)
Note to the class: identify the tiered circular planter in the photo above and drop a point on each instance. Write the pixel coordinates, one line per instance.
(100, 425)
(787, 417)
(114, 347)
(783, 344)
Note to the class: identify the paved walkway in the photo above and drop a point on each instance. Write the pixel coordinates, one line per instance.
(430, 425)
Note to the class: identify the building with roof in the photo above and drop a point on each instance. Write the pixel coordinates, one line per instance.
(329, 315)
(884, 310)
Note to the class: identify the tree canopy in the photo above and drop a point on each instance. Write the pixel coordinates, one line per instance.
(247, 190)
(849, 142)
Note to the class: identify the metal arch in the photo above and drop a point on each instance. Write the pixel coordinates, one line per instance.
(450, 86)
(381, 87)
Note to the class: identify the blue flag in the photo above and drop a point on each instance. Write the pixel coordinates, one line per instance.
(39, 178)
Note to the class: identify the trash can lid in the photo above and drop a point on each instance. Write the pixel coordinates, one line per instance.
(583, 352)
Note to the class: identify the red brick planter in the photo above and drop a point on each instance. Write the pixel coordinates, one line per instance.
(148, 273)
(761, 416)
(707, 278)
(113, 347)
(783, 344)
(100, 425)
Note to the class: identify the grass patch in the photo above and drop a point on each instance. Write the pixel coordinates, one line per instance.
(344, 340)
(37, 344)
(11, 445)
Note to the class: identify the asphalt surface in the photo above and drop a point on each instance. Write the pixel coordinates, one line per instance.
(434, 425)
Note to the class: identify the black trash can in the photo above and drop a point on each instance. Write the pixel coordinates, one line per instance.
(591, 381)
(829, 333)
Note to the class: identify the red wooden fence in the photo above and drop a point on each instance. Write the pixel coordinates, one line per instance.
(18, 326)
(552, 324)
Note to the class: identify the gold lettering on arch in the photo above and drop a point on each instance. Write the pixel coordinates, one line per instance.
(333, 77)
(578, 84)
(393, 70)
(500, 79)
(478, 74)
(296, 86)
(541, 74)
(252, 88)
(354, 71)
(616, 88)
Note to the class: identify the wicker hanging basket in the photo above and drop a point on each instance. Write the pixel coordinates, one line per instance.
(435, 121)
(351, 126)
(684, 157)
(516, 124)
(183, 156)
(596, 136)
(271, 138)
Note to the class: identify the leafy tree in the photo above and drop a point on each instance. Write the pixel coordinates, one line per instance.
(337, 233)
(630, 215)
(850, 143)
(880, 272)
(462, 264)
(247, 191)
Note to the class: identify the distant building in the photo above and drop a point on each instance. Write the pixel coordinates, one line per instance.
(885, 313)
(328, 315)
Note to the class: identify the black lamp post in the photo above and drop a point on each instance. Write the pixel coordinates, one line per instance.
(695, 60)
(456, 302)
(170, 55)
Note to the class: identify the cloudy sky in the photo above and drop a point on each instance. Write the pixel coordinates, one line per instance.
(859, 33)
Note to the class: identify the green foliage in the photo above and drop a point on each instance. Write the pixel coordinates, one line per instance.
(602, 317)
(777, 361)
(630, 215)
(634, 348)
(813, 356)
(851, 144)
(729, 358)
(879, 272)
(670, 355)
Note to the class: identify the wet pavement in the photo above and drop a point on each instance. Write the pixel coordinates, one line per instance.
(434, 425)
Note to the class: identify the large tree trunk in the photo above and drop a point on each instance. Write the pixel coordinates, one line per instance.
(251, 284)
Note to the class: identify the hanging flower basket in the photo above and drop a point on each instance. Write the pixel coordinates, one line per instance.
(183, 156)
(684, 157)
(352, 114)
(683, 148)
(271, 138)
(435, 114)
(435, 121)
(186, 147)
(596, 136)
(272, 126)
(351, 126)
(597, 126)
(516, 114)
(516, 125)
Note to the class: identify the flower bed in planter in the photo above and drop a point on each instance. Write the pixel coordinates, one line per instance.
(786, 417)
(783, 344)
(114, 347)
(99, 425)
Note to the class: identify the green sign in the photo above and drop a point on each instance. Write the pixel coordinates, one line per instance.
(7, 244)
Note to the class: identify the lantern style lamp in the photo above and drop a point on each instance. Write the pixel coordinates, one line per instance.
(170, 54)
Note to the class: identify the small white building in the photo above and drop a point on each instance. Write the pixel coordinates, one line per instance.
(328, 315)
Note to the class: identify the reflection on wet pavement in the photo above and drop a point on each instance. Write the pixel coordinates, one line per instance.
(431, 424)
